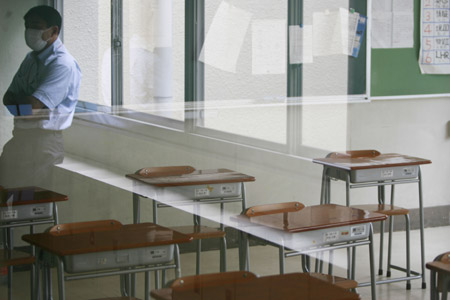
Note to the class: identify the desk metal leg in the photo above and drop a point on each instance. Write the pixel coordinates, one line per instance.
(281, 258)
(353, 263)
(147, 285)
(330, 262)
(350, 273)
(433, 288)
(155, 220)
(445, 284)
(136, 209)
(155, 211)
(422, 233)
(323, 187)
(197, 222)
(244, 264)
(60, 267)
(48, 279)
(177, 261)
(36, 288)
(55, 213)
(223, 255)
(372, 264)
(328, 190)
(381, 200)
(244, 197)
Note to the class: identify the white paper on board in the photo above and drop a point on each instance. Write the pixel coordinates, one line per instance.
(295, 44)
(269, 47)
(381, 29)
(393, 24)
(225, 37)
(403, 30)
(403, 6)
(300, 44)
(328, 38)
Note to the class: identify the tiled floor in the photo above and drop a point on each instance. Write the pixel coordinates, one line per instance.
(264, 261)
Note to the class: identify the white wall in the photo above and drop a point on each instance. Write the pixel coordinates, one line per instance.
(12, 52)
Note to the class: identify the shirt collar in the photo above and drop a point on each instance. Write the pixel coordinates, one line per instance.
(46, 55)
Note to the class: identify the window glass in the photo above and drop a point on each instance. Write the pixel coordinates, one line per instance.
(87, 35)
(153, 50)
(245, 68)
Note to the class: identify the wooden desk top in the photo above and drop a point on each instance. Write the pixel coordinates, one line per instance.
(214, 176)
(28, 195)
(124, 237)
(387, 160)
(317, 217)
(298, 286)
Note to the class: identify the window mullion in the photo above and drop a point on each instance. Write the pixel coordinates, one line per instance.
(294, 82)
(116, 53)
(194, 69)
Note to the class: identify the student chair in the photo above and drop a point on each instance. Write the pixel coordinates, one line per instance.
(391, 211)
(199, 232)
(12, 258)
(439, 268)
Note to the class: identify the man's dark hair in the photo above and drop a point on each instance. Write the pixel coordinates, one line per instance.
(47, 13)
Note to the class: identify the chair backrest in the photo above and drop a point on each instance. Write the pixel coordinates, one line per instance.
(444, 258)
(165, 171)
(80, 227)
(275, 208)
(354, 154)
(205, 280)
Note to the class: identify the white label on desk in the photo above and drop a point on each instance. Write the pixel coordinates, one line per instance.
(201, 192)
(9, 214)
(227, 189)
(330, 236)
(387, 173)
(159, 253)
(409, 171)
(38, 210)
(358, 230)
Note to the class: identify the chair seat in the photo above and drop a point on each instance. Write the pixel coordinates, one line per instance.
(198, 232)
(16, 258)
(386, 209)
(336, 280)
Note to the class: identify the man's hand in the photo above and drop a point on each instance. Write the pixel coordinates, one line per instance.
(12, 99)
(35, 103)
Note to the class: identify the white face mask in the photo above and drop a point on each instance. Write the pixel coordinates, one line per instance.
(33, 38)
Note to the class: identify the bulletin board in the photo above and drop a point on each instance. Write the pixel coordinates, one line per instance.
(396, 72)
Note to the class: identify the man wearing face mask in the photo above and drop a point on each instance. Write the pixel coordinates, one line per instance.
(42, 97)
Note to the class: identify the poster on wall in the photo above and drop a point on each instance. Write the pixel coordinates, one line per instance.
(393, 24)
(434, 55)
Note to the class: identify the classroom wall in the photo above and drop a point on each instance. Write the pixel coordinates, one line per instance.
(415, 127)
